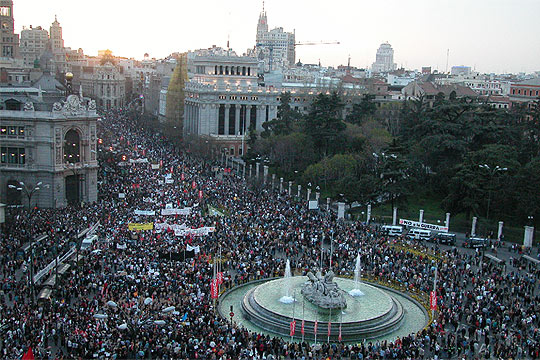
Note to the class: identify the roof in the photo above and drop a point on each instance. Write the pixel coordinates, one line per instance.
(431, 88)
(535, 82)
(47, 82)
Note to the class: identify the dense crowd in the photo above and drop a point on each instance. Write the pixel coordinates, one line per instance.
(483, 312)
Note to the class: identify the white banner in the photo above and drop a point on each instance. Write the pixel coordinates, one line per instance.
(195, 232)
(159, 227)
(422, 225)
(173, 211)
(145, 212)
(169, 181)
(155, 166)
(121, 195)
(195, 249)
(138, 161)
(313, 205)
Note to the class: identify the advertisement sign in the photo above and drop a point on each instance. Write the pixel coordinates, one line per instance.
(422, 225)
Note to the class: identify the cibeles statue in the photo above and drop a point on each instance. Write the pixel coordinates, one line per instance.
(323, 291)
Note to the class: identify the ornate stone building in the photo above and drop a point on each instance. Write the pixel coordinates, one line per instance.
(56, 148)
(9, 41)
(223, 101)
(104, 83)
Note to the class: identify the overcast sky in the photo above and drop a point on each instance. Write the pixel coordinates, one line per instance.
(489, 35)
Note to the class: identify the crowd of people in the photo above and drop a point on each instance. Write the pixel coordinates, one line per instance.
(111, 305)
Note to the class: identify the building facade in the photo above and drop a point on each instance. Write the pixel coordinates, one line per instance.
(33, 44)
(223, 102)
(276, 48)
(384, 60)
(55, 148)
(9, 41)
(105, 84)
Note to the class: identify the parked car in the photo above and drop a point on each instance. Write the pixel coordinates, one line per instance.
(419, 234)
(475, 242)
(444, 238)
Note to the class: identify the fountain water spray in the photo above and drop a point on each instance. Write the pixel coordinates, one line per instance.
(287, 298)
(356, 291)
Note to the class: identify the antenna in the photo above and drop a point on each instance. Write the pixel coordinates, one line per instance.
(263, 5)
(447, 56)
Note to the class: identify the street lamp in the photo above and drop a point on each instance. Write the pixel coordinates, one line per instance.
(491, 172)
(142, 317)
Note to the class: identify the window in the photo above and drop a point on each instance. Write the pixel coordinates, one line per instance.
(12, 155)
(12, 132)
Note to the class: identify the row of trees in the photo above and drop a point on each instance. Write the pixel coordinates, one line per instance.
(481, 160)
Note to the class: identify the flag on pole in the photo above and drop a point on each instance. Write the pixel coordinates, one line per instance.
(329, 327)
(214, 289)
(302, 328)
(29, 355)
(315, 327)
(433, 300)
(293, 327)
(339, 336)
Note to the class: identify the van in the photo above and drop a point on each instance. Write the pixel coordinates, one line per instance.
(444, 239)
(475, 242)
(392, 230)
(419, 234)
(87, 242)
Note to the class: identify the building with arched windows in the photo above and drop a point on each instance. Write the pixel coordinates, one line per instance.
(106, 84)
(55, 147)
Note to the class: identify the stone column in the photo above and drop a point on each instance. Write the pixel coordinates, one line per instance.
(421, 217)
(237, 119)
(499, 233)
(290, 188)
(273, 180)
(394, 216)
(257, 165)
(308, 194)
(244, 171)
(299, 188)
(368, 219)
(226, 126)
(250, 170)
(473, 227)
(528, 236)
(280, 185)
(248, 117)
(327, 204)
(341, 210)
(447, 221)
(317, 196)
(265, 173)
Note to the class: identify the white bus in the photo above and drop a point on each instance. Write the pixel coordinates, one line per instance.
(392, 230)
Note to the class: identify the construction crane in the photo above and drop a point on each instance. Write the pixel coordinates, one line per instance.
(317, 43)
(270, 47)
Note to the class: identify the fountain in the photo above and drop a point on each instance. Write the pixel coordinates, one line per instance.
(287, 298)
(356, 291)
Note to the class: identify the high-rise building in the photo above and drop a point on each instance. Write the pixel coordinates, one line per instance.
(275, 47)
(384, 60)
(33, 44)
(57, 47)
(9, 41)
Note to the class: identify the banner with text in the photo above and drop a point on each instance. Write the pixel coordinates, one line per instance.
(421, 225)
(140, 226)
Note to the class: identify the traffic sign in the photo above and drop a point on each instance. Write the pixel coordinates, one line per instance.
(231, 314)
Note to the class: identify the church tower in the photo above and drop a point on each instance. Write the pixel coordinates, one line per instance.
(262, 26)
(9, 41)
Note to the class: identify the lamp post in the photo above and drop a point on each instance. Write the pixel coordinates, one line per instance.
(29, 192)
(143, 315)
(491, 172)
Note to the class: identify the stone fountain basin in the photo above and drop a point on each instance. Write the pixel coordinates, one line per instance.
(372, 315)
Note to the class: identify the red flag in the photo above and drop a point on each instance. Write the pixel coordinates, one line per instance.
(220, 277)
(433, 300)
(29, 355)
(214, 289)
(182, 177)
(171, 169)
(329, 327)
(193, 184)
(302, 328)
(293, 327)
(200, 194)
(315, 327)
(339, 336)
(160, 163)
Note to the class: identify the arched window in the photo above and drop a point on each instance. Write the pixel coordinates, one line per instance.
(243, 70)
(72, 147)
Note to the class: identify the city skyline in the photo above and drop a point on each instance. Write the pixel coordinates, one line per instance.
(487, 35)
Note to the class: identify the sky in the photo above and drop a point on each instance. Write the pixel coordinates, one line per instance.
(500, 36)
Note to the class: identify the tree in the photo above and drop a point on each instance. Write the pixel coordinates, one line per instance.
(323, 122)
(362, 110)
(174, 112)
(396, 175)
(286, 118)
